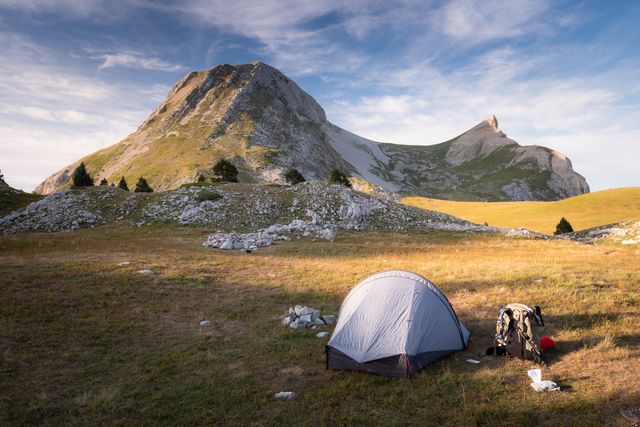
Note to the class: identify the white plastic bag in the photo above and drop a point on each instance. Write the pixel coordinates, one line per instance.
(538, 384)
(285, 395)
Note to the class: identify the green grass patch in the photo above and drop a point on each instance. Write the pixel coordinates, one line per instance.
(209, 195)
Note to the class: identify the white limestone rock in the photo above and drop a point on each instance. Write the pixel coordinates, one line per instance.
(61, 211)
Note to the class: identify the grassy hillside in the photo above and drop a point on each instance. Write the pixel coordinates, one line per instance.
(584, 211)
(11, 200)
(86, 341)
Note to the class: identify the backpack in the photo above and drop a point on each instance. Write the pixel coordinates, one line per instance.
(517, 332)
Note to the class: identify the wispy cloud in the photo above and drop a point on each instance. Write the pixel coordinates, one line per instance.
(52, 114)
(285, 31)
(407, 71)
(576, 116)
(132, 59)
(475, 22)
(58, 116)
(310, 37)
(101, 10)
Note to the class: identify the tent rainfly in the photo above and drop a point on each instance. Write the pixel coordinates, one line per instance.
(394, 323)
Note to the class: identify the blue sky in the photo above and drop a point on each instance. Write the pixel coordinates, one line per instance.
(76, 76)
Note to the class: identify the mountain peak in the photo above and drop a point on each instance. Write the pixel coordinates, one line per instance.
(492, 121)
(265, 123)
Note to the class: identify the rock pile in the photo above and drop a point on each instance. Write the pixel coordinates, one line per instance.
(266, 237)
(309, 209)
(352, 210)
(523, 232)
(245, 206)
(300, 317)
(625, 233)
(61, 211)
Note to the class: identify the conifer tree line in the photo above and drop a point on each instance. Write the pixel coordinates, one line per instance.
(223, 170)
(82, 178)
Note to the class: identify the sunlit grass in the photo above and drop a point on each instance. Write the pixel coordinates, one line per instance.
(86, 341)
(585, 211)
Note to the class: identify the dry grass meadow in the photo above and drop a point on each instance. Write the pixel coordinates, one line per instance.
(583, 211)
(84, 341)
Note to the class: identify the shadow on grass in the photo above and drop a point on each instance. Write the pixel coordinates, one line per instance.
(86, 347)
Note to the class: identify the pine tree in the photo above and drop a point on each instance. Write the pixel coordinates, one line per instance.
(293, 177)
(563, 227)
(81, 178)
(224, 170)
(104, 181)
(142, 186)
(123, 184)
(1, 177)
(339, 177)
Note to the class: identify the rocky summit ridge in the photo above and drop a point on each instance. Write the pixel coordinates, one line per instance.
(265, 123)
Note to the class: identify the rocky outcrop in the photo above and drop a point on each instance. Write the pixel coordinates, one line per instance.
(484, 164)
(624, 233)
(478, 143)
(261, 238)
(313, 209)
(265, 123)
(492, 151)
(12, 199)
(59, 180)
(61, 211)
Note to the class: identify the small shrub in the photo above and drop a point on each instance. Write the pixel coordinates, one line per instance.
(209, 195)
(142, 186)
(104, 182)
(563, 227)
(81, 178)
(123, 184)
(339, 177)
(201, 178)
(224, 170)
(293, 177)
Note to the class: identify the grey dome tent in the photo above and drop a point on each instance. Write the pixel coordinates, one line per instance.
(394, 323)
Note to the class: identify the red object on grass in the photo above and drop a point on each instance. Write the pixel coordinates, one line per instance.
(546, 343)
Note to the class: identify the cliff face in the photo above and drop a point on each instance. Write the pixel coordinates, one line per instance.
(484, 164)
(262, 121)
(486, 155)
